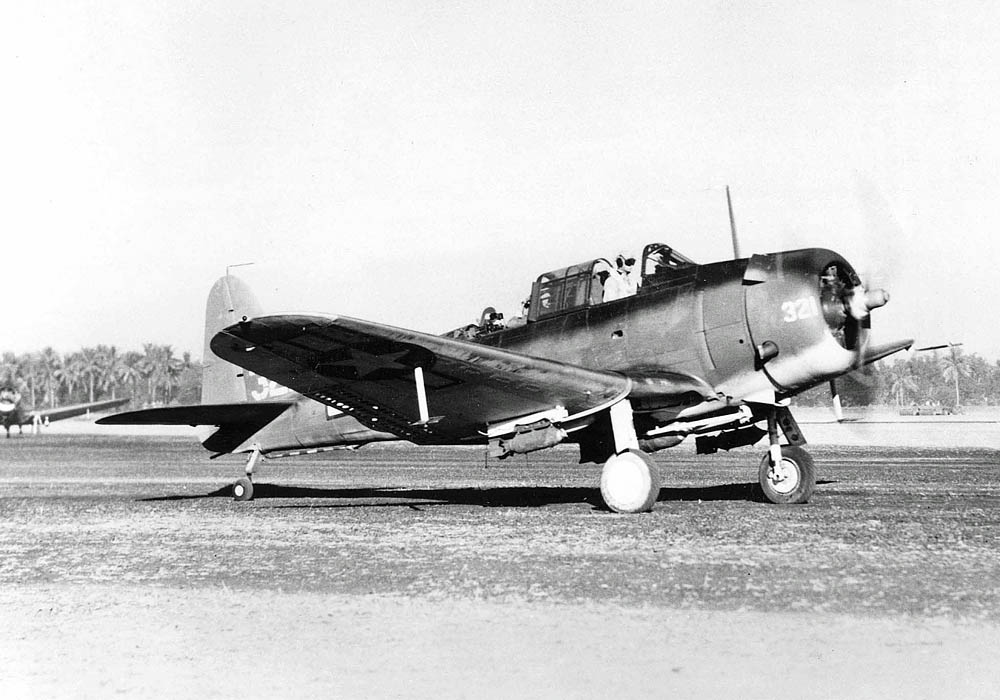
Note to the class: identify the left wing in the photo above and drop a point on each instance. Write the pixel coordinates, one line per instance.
(420, 387)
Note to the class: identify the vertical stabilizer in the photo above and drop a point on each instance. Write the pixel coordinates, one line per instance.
(229, 301)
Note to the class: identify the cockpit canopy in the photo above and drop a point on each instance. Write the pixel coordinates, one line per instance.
(660, 262)
(568, 288)
(583, 285)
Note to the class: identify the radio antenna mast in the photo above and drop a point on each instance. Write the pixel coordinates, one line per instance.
(732, 226)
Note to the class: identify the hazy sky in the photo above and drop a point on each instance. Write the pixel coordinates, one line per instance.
(412, 163)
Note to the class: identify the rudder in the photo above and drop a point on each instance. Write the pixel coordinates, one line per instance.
(230, 300)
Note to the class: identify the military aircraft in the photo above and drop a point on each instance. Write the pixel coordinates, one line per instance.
(713, 351)
(13, 413)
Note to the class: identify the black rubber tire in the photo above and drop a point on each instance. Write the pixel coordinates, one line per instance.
(243, 489)
(802, 462)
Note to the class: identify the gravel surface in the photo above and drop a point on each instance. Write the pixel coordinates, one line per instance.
(409, 572)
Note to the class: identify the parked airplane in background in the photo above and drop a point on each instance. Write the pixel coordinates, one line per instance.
(13, 413)
(711, 351)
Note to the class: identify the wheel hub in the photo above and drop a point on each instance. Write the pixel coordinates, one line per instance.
(783, 476)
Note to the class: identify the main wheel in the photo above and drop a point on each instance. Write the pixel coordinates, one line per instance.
(243, 489)
(630, 482)
(790, 481)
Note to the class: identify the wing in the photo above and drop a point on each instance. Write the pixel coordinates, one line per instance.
(878, 352)
(79, 409)
(421, 387)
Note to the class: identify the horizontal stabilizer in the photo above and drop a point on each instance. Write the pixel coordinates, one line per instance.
(259, 414)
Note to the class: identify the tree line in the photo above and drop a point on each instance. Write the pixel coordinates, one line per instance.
(946, 378)
(155, 376)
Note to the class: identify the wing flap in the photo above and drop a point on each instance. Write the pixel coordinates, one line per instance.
(367, 370)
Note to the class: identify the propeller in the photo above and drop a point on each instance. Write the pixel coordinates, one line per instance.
(856, 296)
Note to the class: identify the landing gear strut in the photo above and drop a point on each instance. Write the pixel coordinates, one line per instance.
(243, 487)
(630, 480)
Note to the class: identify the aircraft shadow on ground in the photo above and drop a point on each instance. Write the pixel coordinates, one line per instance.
(491, 497)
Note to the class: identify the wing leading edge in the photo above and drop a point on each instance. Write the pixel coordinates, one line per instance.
(421, 387)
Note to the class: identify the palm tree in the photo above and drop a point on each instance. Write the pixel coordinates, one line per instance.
(9, 369)
(130, 371)
(32, 369)
(161, 370)
(954, 366)
(901, 380)
(90, 366)
(148, 367)
(170, 371)
(49, 363)
(68, 373)
(111, 364)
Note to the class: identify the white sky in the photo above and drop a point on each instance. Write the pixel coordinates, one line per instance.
(411, 163)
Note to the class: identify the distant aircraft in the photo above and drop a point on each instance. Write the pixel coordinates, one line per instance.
(13, 413)
(712, 351)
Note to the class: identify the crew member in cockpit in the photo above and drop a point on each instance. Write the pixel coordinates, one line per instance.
(626, 267)
(611, 286)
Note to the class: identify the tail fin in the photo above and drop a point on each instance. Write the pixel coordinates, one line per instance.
(229, 302)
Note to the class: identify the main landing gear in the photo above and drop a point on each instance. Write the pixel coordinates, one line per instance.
(243, 487)
(630, 480)
(787, 473)
(791, 479)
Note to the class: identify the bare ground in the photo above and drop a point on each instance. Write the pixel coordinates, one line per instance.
(398, 572)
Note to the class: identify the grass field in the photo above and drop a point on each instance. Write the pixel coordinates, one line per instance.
(408, 572)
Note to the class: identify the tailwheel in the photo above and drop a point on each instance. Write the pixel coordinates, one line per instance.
(630, 482)
(243, 489)
(791, 479)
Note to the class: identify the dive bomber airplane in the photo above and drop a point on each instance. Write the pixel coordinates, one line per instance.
(13, 413)
(712, 351)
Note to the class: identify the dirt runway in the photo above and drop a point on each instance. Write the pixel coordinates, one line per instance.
(125, 568)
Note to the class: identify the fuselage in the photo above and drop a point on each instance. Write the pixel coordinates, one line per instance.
(719, 322)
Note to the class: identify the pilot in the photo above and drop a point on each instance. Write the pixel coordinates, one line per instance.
(612, 284)
(626, 267)
(495, 322)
